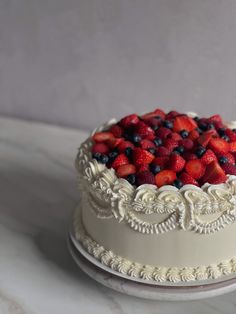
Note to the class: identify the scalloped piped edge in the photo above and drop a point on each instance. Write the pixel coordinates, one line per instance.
(147, 272)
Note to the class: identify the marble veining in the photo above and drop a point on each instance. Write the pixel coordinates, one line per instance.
(38, 193)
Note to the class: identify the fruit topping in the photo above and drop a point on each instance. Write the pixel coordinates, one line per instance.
(165, 177)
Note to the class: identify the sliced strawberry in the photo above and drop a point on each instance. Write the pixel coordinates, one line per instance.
(130, 120)
(208, 157)
(232, 147)
(187, 179)
(219, 146)
(120, 160)
(229, 168)
(146, 144)
(195, 168)
(163, 132)
(214, 174)
(161, 161)
(176, 163)
(172, 114)
(184, 123)
(141, 156)
(229, 156)
(193, 135)
(160, 113)
(205, 138)
(170, 144)
(102, 136)
(175, 136)
(186, 143)
(162, 151)
(165, 177)
(145, 177)
(153, 122)
(116, 130)
(219, 125)
(123, 145)
(145, 131)
(150, 115)
(114, 142)
(231, 134)
(101, 148)
(189, 156)
(124, 170)
(216, 118)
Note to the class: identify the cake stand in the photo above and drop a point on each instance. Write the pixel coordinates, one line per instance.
(139, 287)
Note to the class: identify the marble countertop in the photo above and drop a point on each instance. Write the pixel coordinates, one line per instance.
(38, 193)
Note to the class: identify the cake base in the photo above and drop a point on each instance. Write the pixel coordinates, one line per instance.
(113, 280)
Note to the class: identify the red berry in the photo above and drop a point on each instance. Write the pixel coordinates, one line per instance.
(187, 179)
(175, 136)
(161, 161)
(216, 118)
(120, 160)
(231, 134)
(102, 136)
(101, 148)
(172, 114)
(153, 122)
(195, 168)
(184, 123)
(189, 156)
(193, 135)
(123, 145)
(219, 146)
(145, 177)
(146, 144)
(114, 142)
(214, 174)
(229, 156)
(144, 167)
(176, 163)
(186, 143)
(229, 168)
(205, 138)
(116, 130)
(208, 157)
(129, 121)
(144, 130)
(160, 113)
(232, 147)
(163, 132)
(141, 156)
(165, 177)
(124, 170)
(170, 144)
(162, 151)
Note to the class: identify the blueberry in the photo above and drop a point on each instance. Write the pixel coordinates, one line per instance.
(157, 141)
(200, 151)
(223, 160)
(178, 184)
(225, 137)
(196, 118)
(168, 124)
(135, 138)
(210, 126)
(234, 130)
(103, 159)
(179, 149)
(155, 168)
(155, 127)
(128, 151)
(200, 131)
(184, 133)
(203, 126)
(113, 155)
(96, 156)
(131, 178)
(221, 131)
(152, 150)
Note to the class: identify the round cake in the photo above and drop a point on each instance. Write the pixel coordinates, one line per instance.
(158, 197)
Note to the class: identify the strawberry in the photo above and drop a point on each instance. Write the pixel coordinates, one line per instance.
(101, 148)
(165, 177)
(161, 161)
(123, 145)
(130, 120)
(160, 113)
(120, 160)
(229, 168)
(205, 138)
(184, 123)
(216, 118)
(189, 156)
(124, 170)
(187, 179)
(175, 136)
(141, 168)
(141, 156)
(195, 168)
(229, 156)
(219, 125)
(163, 132)
(116, 130)
(145, 131)
(172, 114)
(170, 144)
(151, 115)
(231, 134)
(219, 146)
(186, 143)
(193, 135)
(114, 142)
(176, 163)
(153, 122)
(232, 147)
(208, 157)
(145, 177)
(102, 136)
(214, 174)
(162, 151)
(146, 144)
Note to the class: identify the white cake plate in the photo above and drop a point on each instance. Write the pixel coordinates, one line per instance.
(145, 290)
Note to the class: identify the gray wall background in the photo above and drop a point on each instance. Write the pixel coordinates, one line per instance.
(81, 62)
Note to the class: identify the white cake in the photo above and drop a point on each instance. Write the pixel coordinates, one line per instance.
(161, 234)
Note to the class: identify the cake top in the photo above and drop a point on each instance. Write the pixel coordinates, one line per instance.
(168, 149)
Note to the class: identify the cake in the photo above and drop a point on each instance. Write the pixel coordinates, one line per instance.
(158, 197)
